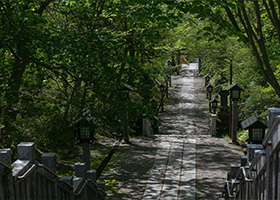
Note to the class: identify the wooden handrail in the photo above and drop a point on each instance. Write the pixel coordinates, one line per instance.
(106, 160)
(228, 190)
(84, 182)
(234, 182)
(256, 159)
(31, 169)
(270, 131)
(48, 170)
(5, 165)
(245, 175)
(243, 172)
(96, 187)
(64, 182)
(89, 183)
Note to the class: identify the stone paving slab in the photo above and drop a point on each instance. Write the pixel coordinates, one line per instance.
(213, 159)
(187, 185)
(205, 162)
(173, 175)
(153, 188)
(186, 113)
(173, 172)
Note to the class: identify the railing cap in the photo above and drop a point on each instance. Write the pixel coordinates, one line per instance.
(272, 125)
(67, 179)
(49, 160)
(260, 152)
(26, 151)
(20, 166)
(80, 169)
(272, 113)
(5, 156)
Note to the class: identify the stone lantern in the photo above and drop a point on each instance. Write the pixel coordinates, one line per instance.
(224, 99)
(209, 89)
(84, 134)
(214, 104)
(207, 79)
(223, 114)
(256, 129)
(124, 96)
(169, 80)
(162, 89)
(235, 91)
(124, 92)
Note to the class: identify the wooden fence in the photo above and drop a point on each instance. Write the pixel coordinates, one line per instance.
(27, 179)
(257, 177)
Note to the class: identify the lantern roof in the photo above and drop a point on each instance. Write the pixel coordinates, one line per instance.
(214, 100)
(126, 87)
(154, 99)
(253, 121)
(209, 86)
(207, 75)
(235, 86)
(223, 92)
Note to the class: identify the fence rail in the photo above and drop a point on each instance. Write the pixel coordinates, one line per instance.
(27, 179)
(259, 177)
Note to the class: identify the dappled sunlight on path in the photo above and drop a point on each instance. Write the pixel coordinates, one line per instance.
(186, 112)
(183, 161)
(174, 171)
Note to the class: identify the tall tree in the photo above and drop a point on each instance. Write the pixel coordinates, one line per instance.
(255, 22)
(60, 59)
(21, 22)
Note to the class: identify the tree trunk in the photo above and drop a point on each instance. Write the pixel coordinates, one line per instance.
(256, 41)
(21, 59)
(12, 92)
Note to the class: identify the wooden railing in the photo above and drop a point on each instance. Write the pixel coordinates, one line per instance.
(27, 179)
(4, 181)
(259, 177)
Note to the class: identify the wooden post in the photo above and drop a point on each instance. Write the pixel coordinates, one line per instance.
(166, 91)
(161, 102)
(213, 125)
(210, 96)
(234, 122)
(126, 128)
(86, 155)
(230, 103)
(6, 191)
(179, 58)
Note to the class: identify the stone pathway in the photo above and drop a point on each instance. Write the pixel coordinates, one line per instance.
(183, 162)
(213, 159)
(186, 111)
(174, 171)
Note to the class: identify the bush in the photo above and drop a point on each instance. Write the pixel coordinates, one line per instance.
(242, 136)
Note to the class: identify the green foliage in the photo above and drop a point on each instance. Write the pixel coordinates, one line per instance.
(216, 47)
(111, 186)
(61, 59)
(242, 136)
(215, 60)
(258, 98)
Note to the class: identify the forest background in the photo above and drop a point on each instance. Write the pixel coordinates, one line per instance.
(63, 61)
